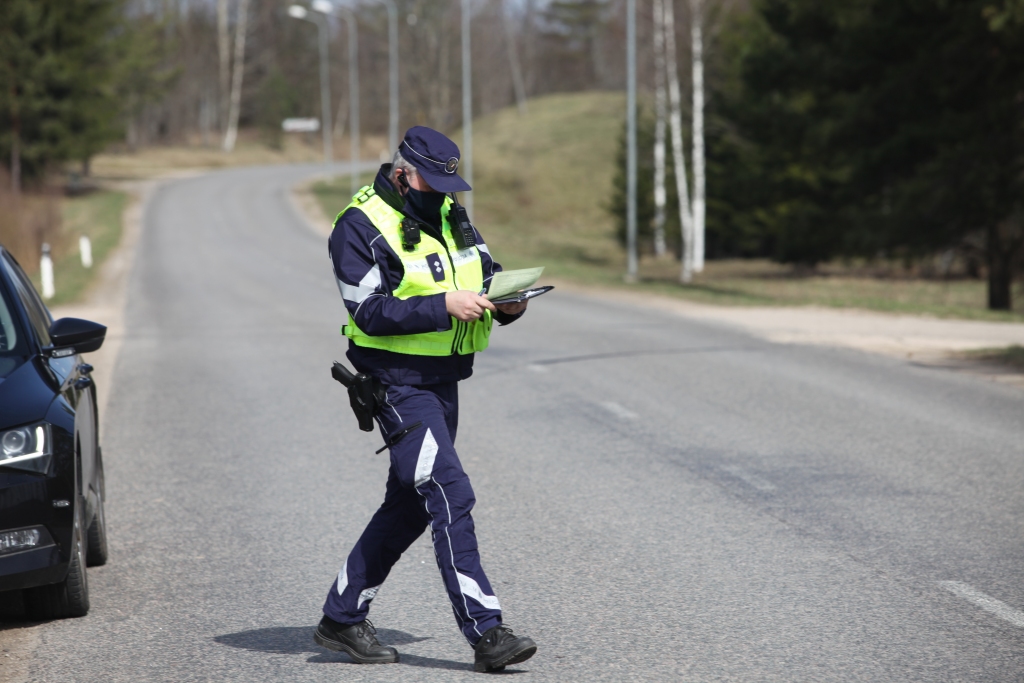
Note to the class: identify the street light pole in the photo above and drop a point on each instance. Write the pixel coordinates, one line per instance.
(392, 73)
(353, 95)
(326, 7)
(631, 172)
(466, 167)
(300, 12)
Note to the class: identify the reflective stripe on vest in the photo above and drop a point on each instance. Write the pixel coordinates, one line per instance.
(432, 267)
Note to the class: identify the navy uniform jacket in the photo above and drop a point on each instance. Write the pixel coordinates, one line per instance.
(368, 271)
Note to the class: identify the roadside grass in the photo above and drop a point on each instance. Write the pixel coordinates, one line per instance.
(335, 194)
(762, 282)
(1012, 356)
(542, 182)
(98, 215)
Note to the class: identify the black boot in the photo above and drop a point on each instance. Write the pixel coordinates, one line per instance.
(359, 641)
(500, 647)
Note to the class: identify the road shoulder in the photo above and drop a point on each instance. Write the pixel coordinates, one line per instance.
(306, 206)
(923, 340)
(104, 303)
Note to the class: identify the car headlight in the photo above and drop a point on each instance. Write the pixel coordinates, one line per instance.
(16, 540)
(26, 448)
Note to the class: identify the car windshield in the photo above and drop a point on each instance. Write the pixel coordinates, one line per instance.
(13, 344)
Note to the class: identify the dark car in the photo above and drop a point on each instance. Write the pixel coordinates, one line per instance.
(51, 469)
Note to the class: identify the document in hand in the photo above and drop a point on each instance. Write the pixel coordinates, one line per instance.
(508, 285)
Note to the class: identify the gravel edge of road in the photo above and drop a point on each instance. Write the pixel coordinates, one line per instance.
(307, 208)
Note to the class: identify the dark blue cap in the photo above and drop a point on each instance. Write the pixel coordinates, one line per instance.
(435, 157)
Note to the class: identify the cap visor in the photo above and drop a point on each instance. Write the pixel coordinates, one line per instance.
(446, 182)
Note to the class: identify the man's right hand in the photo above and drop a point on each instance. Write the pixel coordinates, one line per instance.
(466, 305)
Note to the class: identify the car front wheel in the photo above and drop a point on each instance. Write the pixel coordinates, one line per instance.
(97, 552)
(70, 597)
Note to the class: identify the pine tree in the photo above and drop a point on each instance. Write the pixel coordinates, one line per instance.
(885, 125)
(143, 71)
(574, 27)
(56, 96)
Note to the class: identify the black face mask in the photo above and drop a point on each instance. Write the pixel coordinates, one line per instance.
(426, 205)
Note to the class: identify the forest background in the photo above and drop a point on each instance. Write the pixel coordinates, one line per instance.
(885, 135)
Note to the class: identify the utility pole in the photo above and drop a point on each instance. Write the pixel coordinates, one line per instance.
(349, 17)
(631, 256)
(699, 205)
(300, 12)
(353, 97)
(392, 73)
(466, 167)
(224, 56)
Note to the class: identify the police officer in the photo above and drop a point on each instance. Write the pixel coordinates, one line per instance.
(412, 288)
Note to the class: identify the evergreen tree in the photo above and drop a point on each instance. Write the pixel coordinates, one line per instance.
(56, 96)
(572, 28)
(143, 72)
(884, 124)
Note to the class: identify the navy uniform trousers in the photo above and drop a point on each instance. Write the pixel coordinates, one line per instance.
(426, 485)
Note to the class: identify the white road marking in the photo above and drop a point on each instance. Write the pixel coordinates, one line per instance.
(985, 602)
(751, 479)
(618, 411)
(537, 368)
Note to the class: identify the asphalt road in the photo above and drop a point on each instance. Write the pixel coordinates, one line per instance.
(658, 499)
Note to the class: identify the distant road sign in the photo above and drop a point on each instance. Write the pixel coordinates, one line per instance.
(300, 125)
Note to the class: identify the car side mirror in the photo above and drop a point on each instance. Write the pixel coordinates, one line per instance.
(69, 336)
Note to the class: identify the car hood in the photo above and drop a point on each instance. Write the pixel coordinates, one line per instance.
(25, 395)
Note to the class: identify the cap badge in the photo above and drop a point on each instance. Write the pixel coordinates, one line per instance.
(451, 165)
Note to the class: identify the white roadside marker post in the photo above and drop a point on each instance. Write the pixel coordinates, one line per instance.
(85, 249)
(46, 272)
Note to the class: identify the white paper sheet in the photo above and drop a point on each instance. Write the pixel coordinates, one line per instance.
(508, 281)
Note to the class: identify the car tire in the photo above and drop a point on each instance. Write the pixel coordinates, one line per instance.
(97, 553)
(70, 597)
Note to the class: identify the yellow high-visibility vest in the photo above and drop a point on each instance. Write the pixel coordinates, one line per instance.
(462, 269)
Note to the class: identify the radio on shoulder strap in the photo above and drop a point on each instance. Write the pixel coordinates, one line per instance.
(462, 229)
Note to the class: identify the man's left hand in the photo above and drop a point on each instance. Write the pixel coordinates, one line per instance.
(513, 308)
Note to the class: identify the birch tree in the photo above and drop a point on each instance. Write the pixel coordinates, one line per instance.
(231, 135)
(699, 210)
(513, 58)
(678, 155)
(658, 226)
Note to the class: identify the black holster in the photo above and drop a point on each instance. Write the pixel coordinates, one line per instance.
(366, 394)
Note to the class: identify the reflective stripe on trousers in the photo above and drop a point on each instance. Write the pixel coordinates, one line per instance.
(426, 486)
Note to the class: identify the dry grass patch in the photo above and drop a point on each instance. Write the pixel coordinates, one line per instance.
(97, 215)
(1011, 356)
(150, 162)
